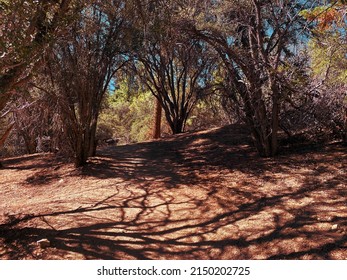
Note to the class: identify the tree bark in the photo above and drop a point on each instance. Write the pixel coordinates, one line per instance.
(30, 144)
(81, 155)
(157, 120)
(85, 145)
(274, 116)
(92, 137)
(344, 136)
(5, 136)
(177, 127)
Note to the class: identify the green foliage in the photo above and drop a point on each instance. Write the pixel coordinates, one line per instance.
(328, 58)
(179, 44)
(207, 113)
(127, 115)
(328, 46)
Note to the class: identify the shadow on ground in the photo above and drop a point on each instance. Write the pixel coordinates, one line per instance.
(196, 196)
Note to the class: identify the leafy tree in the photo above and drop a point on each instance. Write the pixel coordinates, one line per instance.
(328, 46)
(172, 75)
(328, 49)
(126, 114)
(172, 65)
(80, 69)
(254, 39)
(27, 29)
(209, 112)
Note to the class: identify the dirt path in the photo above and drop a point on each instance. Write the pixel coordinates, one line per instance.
(196, 196)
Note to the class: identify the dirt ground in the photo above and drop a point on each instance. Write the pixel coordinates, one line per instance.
(203, 195)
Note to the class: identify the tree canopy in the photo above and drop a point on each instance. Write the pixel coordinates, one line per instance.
(260, 60)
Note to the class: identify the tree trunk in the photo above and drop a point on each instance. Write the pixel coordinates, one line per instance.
(177, 126)
(274, 118)
(265, 137)
(3, 139)
(157, 120)
(264, 126)
(81, 153)
(30, 144)
(344, 135)
(85, 145)
(258, 121)
(5, 136)
(261, 141)
(92, 138)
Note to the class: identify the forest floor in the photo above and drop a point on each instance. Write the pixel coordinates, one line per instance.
(204, 195)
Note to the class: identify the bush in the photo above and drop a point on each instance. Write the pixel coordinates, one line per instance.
(319, 118)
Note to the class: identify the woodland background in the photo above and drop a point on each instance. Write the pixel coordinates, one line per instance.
(73, 75)
(176, 129)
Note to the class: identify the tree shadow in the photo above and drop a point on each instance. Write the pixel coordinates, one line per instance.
(196, 196)
(34, 161)
(157, 232)
(186, 158)
(176, 160)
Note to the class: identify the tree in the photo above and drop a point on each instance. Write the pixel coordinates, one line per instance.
(38, 126)
(173, 73)
(172, 65)
(27, 29)
(80, 69)
(126, 112)
(254, 40)
(328, 49)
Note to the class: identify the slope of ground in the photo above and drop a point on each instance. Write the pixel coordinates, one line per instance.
(203, 195)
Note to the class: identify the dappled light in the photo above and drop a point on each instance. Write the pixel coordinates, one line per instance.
(192, 196)
(173, 130)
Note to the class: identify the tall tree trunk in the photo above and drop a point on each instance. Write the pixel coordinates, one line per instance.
(157, 120)
(252, 122)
